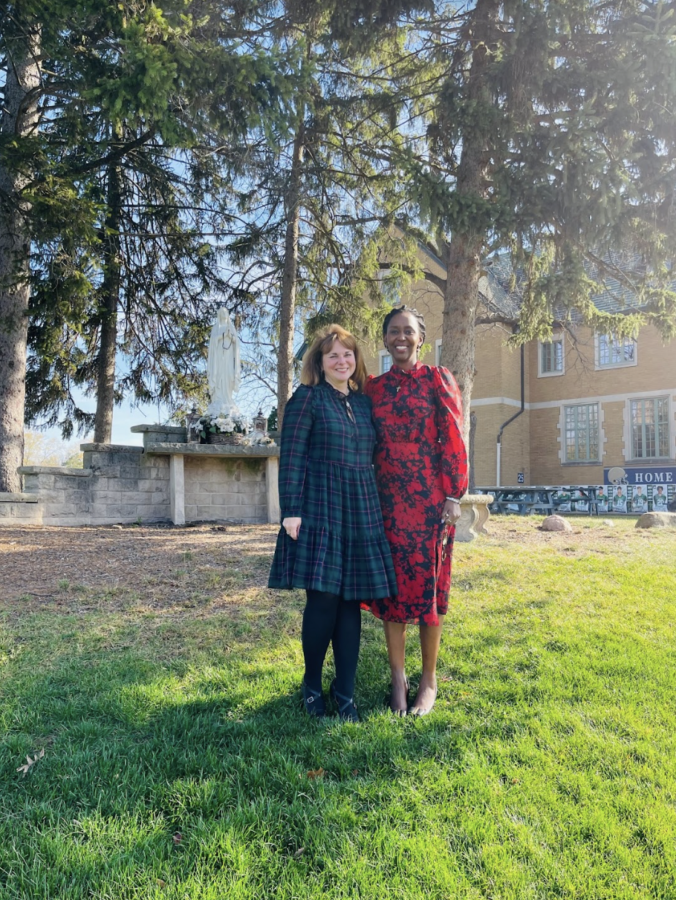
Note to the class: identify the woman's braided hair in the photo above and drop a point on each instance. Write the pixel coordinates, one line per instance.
(404, 309)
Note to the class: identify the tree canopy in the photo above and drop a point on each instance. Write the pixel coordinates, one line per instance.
(133, 105)
(160, 158)
(551, 134)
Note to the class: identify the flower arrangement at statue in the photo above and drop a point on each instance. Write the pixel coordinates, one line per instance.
(234, 426)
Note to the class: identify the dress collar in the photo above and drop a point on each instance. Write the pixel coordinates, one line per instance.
(339, 394)
(417, 368)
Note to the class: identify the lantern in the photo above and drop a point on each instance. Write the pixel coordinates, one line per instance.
(260, 424)
(192, 426)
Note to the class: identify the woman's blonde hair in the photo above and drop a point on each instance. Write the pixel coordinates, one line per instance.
(312, 372)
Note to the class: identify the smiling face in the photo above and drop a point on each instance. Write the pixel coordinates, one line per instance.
(339, 365)
(403, 339)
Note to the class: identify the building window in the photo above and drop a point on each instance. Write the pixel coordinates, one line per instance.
(551, 357)
(385, 362)
(437, 352)
(581, 427)
(612, 352)
(650, 428)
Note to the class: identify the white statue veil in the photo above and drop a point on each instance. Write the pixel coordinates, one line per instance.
(223, 365)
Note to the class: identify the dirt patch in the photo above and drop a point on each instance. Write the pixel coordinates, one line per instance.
(204, 566)
(155, 564)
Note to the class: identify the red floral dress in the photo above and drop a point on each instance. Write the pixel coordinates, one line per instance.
(420, 459)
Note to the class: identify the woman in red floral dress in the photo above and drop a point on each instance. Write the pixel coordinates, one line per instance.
(421, 473)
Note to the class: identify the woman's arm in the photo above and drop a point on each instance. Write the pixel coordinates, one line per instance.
(454, 467)
(295, 443)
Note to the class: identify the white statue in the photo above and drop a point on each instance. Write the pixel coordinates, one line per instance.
(223, 365)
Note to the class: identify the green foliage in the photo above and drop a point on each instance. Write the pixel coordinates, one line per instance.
(350, 192)
(196, 107)
(125, 89)
(572, 124)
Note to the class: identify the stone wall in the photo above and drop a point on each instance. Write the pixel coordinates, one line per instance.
(121, 484)
(118, 484)
(19, 509)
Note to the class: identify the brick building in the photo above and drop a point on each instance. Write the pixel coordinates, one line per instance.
(590, 402)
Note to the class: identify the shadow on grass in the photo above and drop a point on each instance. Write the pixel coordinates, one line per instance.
(166, 773)
(178, 761)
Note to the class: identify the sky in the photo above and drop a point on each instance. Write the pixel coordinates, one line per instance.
(249, 398)
(124, 417)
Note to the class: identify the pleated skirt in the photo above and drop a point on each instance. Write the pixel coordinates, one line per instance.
(341, 546)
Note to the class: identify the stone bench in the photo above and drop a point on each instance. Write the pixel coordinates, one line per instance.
(474, 514)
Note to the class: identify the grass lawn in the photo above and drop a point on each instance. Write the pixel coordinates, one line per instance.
(178, 764)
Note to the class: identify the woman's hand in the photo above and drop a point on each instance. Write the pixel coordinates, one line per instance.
(451, 512)
(292, 526)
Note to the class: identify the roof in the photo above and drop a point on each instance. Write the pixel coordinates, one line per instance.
(616, 295)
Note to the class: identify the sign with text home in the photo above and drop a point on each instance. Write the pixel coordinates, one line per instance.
(665, 475)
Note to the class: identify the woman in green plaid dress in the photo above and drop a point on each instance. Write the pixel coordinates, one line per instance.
(332, 541)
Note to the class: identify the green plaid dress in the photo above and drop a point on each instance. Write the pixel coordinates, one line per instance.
(326, 478)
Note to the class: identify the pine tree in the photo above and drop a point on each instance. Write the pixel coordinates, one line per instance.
(553, 137)
(130, 95)
(317, 201)
(18, 121)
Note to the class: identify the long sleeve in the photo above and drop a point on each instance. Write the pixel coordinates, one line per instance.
(449, 425)
(296, 431)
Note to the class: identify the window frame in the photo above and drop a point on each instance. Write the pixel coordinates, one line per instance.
(557, 338)
(383, 355)
(666, 399)
(588, 460)
(601, 367)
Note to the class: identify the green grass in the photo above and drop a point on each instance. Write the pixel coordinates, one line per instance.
(177, 756)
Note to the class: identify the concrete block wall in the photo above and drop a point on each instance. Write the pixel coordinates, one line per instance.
(225, 490)
(117, 485)
(128, 485)
(160, 434)
(19, 509)
(63, 494)
(121, 484)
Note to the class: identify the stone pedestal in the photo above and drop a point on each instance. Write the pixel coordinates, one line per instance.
(177, 489)
(220, 482)
(272, 482)
(473, 518)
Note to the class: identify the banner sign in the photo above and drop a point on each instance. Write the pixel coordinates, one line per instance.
(645, 475)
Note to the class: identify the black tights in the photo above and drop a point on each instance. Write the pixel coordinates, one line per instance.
(330, 619)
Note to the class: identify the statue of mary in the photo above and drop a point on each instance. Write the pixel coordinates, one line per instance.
(223, 365)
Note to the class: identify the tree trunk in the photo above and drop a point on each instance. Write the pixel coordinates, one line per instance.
(287, 306)
(464, 252)
(110, 298)
(19, 117)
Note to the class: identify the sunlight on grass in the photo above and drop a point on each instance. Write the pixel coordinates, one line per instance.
(178, 763)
